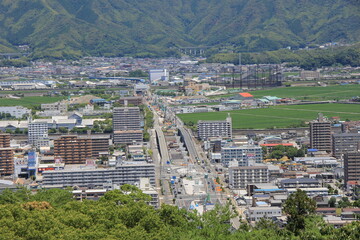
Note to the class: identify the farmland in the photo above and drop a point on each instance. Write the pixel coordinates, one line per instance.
(337, 92)
(278, 116)
(28, 101)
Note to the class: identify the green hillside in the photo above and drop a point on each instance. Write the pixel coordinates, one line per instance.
(69, 28)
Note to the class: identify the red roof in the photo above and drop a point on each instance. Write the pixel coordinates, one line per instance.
(246, 94)
(276, 144)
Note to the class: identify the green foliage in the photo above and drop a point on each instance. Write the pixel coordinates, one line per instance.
(138, 73)
(69, 29)
(307, 59)
(298, 206)
(124, 214)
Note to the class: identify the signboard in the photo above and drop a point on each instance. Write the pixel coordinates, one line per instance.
(32, 160)
(46, 169)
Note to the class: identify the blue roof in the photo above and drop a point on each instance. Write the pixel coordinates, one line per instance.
(268, 190)
(312, 150)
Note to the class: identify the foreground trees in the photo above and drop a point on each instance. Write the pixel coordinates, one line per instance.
(124, 214)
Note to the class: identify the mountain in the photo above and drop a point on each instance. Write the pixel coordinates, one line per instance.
(70, 28)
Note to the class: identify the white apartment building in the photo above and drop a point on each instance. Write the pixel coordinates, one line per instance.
(16, 111)
(247, 155)
(254, 214)
(58, 107)
(240, 177)
(127, 173)
(208, 129)
(38, 134)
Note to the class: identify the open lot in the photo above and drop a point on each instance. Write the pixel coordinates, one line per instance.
(278, 116)
(28, 101)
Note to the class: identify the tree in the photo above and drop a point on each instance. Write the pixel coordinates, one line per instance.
(63, 130)
(332, 202)
(298, 206)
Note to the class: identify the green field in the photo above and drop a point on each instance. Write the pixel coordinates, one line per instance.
(336, 92)
(28, 101)
(278, 116)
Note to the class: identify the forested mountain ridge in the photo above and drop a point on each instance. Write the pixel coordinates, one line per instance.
(69, 28)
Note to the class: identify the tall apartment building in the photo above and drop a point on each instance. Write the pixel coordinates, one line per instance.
(240, 177)
(6, 155)
(245, 155)
(38, 133)
(344, 142)
(352, 166)
(126, 118)
(127, 125)
(208, 129)
(320, 134)
(73, 150)
(127, 173)
(100, 145)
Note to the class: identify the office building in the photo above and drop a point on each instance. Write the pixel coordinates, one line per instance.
(128, 137)
(158, 75)
(240, 177)
(38, 133)
(126, 118)
(320, 134)
(344, 142)
(352, 166)
(73, 150)
(247, 155)
(6, 155)
(207, 129)
(126, 173)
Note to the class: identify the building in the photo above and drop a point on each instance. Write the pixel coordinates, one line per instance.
(127, 173)
(128, 137)
(309, 75)
(147, 188)
(6, 155)
(247, 155)
(73, 150)
(126, 118)
(208, 129)
(100, 145)
(352, 166)
(320, 134)
(16, 111)
(136, 101)
(158, 75)
(127, 125)
(254, 214)
(240, 177)
(344, 142)
(60, 107)
(38, 133)
(300, 183)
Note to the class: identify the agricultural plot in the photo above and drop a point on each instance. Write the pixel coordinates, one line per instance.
(278, 116)
(28, 101)
(338, 92)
